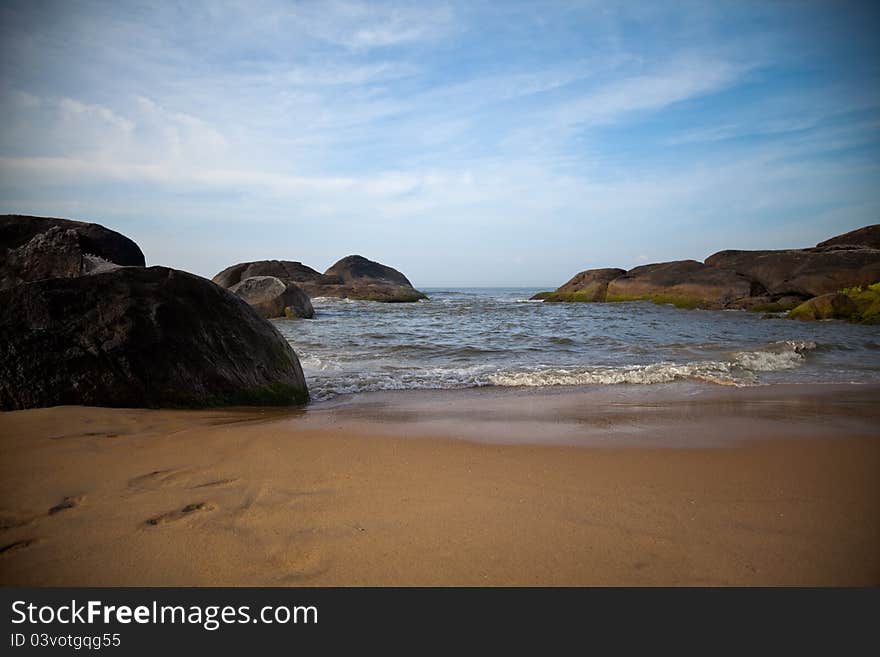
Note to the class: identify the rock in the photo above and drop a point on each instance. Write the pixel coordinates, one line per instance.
(272, 297)
(802, 272)
(589, 285)
(867, 237)
(36, 248)
(541, 296)
(826, 306)
(858, 304)
(353, 277)
(53, 254)
(286, 270)
(140, 337)
(767, 303)
(364, 279)
(683, 283)
(355, 269)
(17, 230)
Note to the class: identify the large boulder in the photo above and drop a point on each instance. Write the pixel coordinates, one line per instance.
(684, 283)
(802, 272)
(272, 297)
(589, 285)
(867, 237)
(53, 254)
(353, 277)
(17, 230)
(286, 270)
(140, 337)
(36, 248)
(360, 278)
(356, 269)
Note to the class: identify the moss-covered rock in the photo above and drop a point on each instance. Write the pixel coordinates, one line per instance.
(857, 304)
(541, 296)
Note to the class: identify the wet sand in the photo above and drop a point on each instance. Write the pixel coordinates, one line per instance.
(669, 485)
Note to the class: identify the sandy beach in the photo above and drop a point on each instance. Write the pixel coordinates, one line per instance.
(621, 485)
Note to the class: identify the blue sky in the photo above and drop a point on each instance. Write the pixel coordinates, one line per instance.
(465, 143)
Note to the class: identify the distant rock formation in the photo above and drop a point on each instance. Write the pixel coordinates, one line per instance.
(136, 337)
(770, 281)
(589, 285)
(683, 283)
(353, 277)
(360, 278)
(272, 297)
(36, 248)
(286, 270)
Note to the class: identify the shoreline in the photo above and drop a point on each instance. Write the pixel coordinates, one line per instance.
(639, 485)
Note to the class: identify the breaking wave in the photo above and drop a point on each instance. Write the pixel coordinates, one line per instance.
(328, 379)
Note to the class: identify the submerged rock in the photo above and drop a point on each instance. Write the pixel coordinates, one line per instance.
(272, 297)
(683, 283)
(589, 285)
(140, 337)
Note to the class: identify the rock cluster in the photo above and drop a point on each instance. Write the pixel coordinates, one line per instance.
(353, 277)
(767, 281)
(83, 321)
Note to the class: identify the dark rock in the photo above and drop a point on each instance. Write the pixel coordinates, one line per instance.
(867, 237)
(140, 337)
(272, 297)
(355, 269)
(802, 272)
(53, 254)
(17, 230)
(286, 270)
(364, 279)
(353, 277)
(767, 303)
(589, 285)
(684, 283)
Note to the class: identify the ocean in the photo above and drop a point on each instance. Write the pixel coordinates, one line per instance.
(475, 337)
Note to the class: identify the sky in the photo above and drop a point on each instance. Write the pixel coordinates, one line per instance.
(464, 143)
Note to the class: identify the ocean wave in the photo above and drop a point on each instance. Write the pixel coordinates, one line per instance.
(740, 369)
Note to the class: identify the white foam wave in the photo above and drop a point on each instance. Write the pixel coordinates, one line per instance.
(738, 371)
(330, 378)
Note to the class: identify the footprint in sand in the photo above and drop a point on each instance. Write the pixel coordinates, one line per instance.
(179, 514)
(16, 546)
(216, 482)
(178, 478)
(66, 503)
(13, 520)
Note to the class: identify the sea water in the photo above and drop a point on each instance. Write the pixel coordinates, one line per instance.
(474, 337)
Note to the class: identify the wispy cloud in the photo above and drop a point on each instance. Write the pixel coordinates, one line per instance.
(602, 133)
